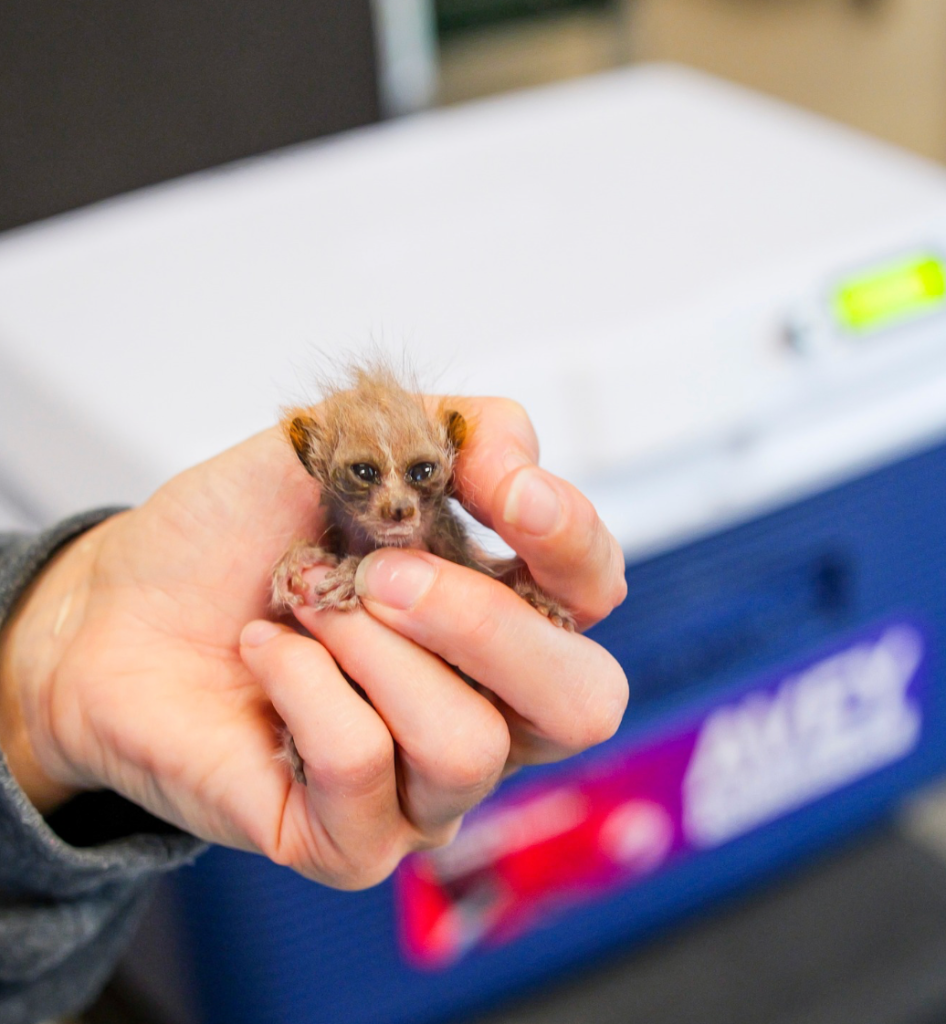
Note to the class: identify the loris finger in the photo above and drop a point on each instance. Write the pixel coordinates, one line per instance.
(288, 586)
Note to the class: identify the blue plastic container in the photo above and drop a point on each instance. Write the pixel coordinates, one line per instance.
(792, 665)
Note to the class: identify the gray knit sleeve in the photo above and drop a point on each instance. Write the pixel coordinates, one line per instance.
(72, 885)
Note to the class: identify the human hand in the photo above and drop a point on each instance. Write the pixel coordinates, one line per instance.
(126, 667)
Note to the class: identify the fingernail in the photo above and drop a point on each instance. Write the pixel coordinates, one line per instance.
(255, 634)
(394, 578)
(532, 505)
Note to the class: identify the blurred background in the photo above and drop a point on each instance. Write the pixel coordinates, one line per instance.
(874, 64)
(106, 97)
(126, 94)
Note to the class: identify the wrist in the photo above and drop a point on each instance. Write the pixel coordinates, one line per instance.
(33, 643)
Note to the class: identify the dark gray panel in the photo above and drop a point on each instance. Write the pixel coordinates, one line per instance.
(100, 97)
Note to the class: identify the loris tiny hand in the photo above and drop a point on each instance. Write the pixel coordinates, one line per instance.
(125, 660)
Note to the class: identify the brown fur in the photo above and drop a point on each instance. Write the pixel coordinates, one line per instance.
(384, 465)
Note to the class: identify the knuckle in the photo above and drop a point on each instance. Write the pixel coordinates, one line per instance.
(433, 838)
(288, 854)
(515, 417)
(598, 707)
(606, 711)
(587, 533)
(477, 763)
(617, 569)
(356, 877)
(279, 854)
(512, 409)
(599, 604)
(492, 752)
(367, 866)
(359, 767)
(618, 592)
(611, 588)
(601, 727)
(604, 600)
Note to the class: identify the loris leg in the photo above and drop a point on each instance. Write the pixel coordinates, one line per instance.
(520, 579)
(289, 588)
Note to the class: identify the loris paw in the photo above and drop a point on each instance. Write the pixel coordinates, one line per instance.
(527, 588)
(336, 592)
(289, 589)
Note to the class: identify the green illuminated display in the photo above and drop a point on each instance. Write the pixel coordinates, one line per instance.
(890, 293)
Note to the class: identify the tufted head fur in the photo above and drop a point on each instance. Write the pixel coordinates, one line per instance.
(383, 461)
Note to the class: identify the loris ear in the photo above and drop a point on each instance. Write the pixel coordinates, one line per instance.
(456, 429)
(304, 434)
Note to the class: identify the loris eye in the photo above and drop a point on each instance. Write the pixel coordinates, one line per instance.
(366, 472)
(420, 472)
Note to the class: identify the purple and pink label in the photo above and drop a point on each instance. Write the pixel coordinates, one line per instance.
(783, 742)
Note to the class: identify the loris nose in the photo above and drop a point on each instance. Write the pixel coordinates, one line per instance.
(401, 512)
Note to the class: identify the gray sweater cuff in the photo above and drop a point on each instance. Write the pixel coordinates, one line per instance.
(22, 556)
(71, 885)
(47, 863)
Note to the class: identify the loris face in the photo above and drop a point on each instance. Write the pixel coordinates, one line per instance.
(383, 462)
(386, 498)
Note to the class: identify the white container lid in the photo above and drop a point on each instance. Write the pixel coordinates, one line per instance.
(621, 253)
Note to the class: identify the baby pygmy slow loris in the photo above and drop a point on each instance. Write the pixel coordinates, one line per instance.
(383, 459)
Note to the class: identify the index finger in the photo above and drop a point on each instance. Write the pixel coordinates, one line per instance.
(547, 521)
(501, 439)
